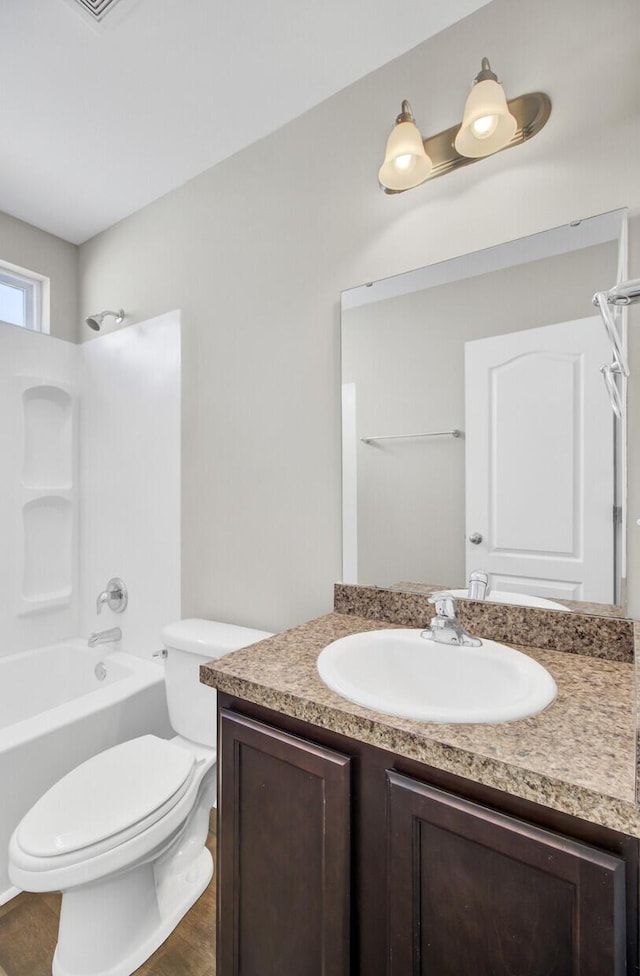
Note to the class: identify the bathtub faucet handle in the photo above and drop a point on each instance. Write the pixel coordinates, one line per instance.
(115, 596)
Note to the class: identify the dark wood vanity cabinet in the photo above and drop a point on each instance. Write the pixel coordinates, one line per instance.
(337, 858)
(472, 885)
(284, 855)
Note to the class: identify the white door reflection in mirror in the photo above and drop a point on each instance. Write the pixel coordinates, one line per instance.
(538, 490)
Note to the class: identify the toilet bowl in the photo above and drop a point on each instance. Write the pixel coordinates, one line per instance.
(123, 835)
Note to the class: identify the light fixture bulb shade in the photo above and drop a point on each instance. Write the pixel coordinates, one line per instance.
(406, 164)
(487, 123)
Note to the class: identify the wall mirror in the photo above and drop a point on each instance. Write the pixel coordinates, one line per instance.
(478, 433)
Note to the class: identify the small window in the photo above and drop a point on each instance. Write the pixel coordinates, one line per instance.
(22, 298)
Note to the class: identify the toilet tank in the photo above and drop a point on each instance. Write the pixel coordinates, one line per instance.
(190, 643)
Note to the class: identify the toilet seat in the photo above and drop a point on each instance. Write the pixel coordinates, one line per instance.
(108, 858)
(106, 801)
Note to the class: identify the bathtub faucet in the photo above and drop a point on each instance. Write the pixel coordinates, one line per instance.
(105, 637)
(115, 596)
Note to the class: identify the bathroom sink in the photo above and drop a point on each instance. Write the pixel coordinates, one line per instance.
(517, 599)
(400, 673)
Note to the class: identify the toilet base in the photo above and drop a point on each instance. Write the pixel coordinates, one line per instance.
(111, 928)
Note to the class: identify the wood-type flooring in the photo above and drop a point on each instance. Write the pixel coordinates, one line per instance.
(29, 931)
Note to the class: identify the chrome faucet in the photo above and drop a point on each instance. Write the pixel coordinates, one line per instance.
(115, 596)
(105, 637)
(478, 585)
(445, 627)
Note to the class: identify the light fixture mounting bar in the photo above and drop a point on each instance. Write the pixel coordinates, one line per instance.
(531, 112)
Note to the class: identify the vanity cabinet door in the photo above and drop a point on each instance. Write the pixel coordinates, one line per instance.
(476, 891)
(283, 853)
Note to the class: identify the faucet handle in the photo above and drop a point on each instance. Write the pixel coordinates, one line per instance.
(115, 596)
(445, 627)
(445, 604)
(478, 588)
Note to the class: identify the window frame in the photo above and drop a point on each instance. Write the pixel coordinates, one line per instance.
(35, 288)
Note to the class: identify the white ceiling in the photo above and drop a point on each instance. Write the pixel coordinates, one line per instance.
(99, 121)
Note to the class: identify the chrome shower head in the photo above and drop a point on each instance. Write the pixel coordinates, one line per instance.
(95, 321)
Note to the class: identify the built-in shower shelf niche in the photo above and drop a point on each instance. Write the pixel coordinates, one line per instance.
(47, 548)
(48, 434)
(47, 496)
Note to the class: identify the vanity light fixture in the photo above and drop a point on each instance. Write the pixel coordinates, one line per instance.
(406, 163)
(489, 124)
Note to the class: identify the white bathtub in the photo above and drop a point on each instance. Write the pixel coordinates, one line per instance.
(55, 713)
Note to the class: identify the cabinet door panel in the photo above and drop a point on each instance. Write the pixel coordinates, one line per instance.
(473, 890)
(284, 853)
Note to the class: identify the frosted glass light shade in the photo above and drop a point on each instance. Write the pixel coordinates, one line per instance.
(487, 123)
(406, 164)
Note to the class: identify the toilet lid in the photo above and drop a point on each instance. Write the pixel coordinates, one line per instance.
(106, 795)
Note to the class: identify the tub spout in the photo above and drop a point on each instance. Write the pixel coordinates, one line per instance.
(105, 637)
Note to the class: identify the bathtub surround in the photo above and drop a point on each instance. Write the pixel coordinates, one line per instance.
(90, 482)
(130, 476)
(38, 488)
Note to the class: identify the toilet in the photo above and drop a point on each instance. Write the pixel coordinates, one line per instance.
(123, 835)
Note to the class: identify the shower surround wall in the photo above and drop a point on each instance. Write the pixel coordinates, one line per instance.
(38, 488)
(89, 482)
(130, 474)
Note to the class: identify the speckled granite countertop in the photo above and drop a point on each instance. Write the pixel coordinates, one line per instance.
(578, 756)
(580, 606)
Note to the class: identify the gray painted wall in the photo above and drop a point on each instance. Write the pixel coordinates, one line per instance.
(45, 254)
(256, 251)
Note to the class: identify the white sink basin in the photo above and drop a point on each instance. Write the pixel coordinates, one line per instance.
(401, 673)
(518, 599)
